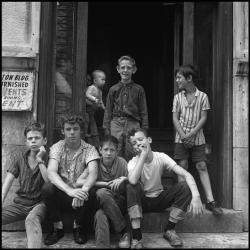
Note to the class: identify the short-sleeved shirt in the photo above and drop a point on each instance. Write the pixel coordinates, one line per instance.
(126, 100)
(118, 169)
(152, 172)
(30, 180)
(190, 114)
(68, 169)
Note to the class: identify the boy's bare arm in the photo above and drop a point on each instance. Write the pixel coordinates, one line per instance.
(196, 204)
(199, 125)
(177, 125)
(92, 176)
(90, 95)
(6, 185)
(42, 167)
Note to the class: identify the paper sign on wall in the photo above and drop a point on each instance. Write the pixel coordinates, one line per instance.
(17, 90)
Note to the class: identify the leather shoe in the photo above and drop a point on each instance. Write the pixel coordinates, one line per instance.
(80, 236)
(54, 236)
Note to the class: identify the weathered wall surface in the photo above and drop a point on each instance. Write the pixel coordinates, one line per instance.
(240, 109)
(20, 44)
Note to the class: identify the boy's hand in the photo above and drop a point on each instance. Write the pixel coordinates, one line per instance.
(114, 184)
(188, 140)
(196, 206)
(77, 203)
(143, 150)
(40, 154)
(78, 193)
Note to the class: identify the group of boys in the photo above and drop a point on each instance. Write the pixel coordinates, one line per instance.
(123, 179)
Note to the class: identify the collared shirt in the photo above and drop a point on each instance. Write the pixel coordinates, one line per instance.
(118, 169)
(190, 114)
(30, 180)
(152, 172)
(71, 169)
(128, 100)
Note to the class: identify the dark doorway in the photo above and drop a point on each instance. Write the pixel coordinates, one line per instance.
(146, 32)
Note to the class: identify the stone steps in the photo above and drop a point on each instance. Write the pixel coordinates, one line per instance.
(230, 222)
(14, 240)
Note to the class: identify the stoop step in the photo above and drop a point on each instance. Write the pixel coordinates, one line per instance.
(230, 222)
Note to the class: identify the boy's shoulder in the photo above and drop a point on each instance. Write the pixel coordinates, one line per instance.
(121, 160)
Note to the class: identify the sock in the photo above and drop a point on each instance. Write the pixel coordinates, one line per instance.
(58, 225)
(137, 234)
(75, 225)
(170, 226)
(124, 230)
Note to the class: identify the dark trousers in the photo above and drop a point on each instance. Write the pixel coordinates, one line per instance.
(178, 197)
(113, 205)
(57, 202)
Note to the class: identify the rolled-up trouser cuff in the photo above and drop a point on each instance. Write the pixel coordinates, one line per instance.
(135, 212)
(176, 214)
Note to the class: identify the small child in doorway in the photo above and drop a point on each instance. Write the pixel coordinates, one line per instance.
(190, 107)
(93, 102)
(126, 107)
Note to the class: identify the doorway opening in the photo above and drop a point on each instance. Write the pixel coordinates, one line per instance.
(146, 32)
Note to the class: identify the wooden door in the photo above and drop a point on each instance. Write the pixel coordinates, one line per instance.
(63, 50)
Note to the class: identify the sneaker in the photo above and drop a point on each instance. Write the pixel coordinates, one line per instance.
(173, 239)
(124, 241)
(54, 236)
(212, 206)
(136, 244)
(80, 236)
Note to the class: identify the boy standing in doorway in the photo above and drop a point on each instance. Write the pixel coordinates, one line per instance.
(190, 107)
(126, 106)
(30, 167)
(93, 102)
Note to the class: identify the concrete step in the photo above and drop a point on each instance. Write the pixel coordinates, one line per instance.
(150, 240)
(230, 222)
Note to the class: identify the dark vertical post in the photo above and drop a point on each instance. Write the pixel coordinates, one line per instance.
(46, 74)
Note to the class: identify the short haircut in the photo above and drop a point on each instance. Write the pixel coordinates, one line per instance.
(72, 119)
(109, 139)
(96, 71)
(128, 58)
(133, 131)
(187, 70)
(35, 126)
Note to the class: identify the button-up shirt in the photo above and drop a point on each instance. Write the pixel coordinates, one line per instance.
(190, 114)
(30, 180)
(126, 100)
(71, 169)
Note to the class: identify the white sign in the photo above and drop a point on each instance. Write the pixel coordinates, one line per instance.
(17, 90)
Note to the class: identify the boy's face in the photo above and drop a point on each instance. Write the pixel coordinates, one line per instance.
(72, 133)
(108, 152)
(126, 70)
(139, 140)
(34, 140)
(100, 79)
(182, 81)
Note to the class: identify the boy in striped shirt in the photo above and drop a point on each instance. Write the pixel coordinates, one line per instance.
(28, 166)
(190, 107)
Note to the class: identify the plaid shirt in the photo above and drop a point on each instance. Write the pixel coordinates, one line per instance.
(126, 100)
(30, 180)
(71, 169)
(190, 114)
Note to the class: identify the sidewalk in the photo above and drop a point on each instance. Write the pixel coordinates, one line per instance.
(151, 240)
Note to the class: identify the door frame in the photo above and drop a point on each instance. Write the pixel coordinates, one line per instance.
(47, 57)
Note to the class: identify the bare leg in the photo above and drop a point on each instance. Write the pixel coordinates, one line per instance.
(183, 164)
(205, 180)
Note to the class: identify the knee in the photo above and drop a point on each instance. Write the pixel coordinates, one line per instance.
(102, 194)
(183, 164)
(100, 216)
(48, 189)
(201, 166)
(185, 188)
(31, 219)
(133, 187)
